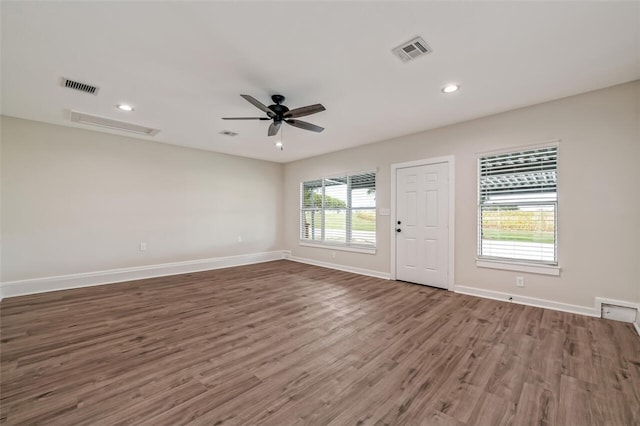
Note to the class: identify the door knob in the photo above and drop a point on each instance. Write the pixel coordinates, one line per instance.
(398, 230)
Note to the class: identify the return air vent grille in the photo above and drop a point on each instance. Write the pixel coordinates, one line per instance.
(82, 87)
(412, 49)
(618, 313)
(80, 117)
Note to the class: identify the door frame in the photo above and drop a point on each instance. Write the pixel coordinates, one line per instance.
(450, 160)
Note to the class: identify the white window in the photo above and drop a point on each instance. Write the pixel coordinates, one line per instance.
(339, 211)
(517, 206)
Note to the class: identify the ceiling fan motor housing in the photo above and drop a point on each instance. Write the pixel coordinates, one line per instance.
(278, 109)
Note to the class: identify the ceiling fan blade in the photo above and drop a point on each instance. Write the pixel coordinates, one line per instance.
(304, 125)
(246, 118)
(305, 110)
(258, 104)
(274, 127)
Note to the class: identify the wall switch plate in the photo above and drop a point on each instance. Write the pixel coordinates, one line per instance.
(239, 238)
(143, 246)
(519, 281)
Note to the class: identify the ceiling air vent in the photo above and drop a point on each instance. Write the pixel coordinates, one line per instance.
(412, 49)
(82, 87)
(80, 117)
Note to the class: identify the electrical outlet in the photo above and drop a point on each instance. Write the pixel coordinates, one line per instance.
(519, 281)
(143, 246)
(333, 254)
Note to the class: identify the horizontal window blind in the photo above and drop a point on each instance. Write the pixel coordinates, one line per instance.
(339, 210)
(518, 206)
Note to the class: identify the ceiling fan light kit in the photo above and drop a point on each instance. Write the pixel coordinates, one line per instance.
(280, 113)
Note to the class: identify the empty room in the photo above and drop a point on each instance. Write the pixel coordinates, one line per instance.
(320, 213)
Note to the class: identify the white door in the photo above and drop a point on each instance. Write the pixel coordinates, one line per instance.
(422, 216)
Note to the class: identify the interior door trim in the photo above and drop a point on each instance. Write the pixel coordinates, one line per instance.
(450, 160)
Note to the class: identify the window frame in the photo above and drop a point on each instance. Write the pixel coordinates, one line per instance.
(348, 245)
(515, 264)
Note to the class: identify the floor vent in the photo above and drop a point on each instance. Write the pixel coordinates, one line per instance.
(80, 117)
(412, 49)
(82, 87)
(618, 313)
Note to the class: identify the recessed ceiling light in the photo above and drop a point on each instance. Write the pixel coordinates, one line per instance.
(279, 144)
(125, 107)
(450, 88)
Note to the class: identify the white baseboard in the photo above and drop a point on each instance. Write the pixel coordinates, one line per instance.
(360, 271)
(636, 324)
(64, 282)
(529, 301)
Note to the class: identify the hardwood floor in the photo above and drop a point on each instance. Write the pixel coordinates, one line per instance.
(283, 343)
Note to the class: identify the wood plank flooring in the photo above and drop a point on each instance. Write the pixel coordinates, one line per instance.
(283, 343)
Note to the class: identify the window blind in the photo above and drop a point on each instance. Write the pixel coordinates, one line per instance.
(339, 210)
(518, 205)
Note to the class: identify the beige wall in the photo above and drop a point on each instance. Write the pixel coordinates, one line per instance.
(599, 195)
(637, 106)
(81, 201)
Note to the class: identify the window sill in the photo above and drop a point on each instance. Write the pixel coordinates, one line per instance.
(339, 247)
(532, 268)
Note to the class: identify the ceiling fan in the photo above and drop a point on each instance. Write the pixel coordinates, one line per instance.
(280, 113)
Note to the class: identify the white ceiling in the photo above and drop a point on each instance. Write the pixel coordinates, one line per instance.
(183, 65)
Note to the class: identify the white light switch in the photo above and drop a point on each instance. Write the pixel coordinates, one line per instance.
(143, 246)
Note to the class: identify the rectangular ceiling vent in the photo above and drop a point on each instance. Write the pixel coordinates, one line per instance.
(82, 87)
(80, 117)
(412, 49)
